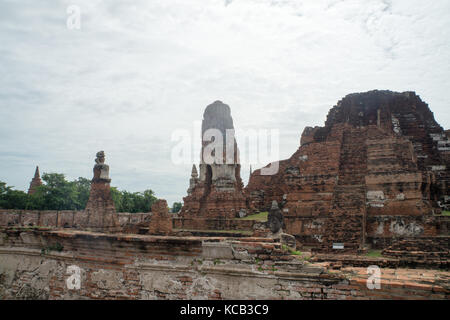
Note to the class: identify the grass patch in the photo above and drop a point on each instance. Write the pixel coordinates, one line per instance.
(199, 261)
(446, 213)
(291, 251)
(54, 247)
(241, 232)
(300, 255)
(374, 254)
(262, 216)
(217, 261)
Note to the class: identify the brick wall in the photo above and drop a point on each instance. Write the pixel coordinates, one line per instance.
(213, 224)
(60, 219)
(421, 251)
(37, 264)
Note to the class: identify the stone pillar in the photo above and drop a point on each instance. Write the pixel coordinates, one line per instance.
(161, 220)
(100, 213)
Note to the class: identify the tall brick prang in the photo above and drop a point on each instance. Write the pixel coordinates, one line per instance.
(218, 192)
(35, 182)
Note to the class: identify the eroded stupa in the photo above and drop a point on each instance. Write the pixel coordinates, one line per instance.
(218, 189)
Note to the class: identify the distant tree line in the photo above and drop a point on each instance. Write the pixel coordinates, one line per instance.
(59, 194)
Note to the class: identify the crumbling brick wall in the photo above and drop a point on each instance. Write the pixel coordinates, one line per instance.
(62, 219)
(45, 264)
(421, 251)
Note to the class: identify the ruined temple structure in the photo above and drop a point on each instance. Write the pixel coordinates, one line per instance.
(100, 213)
(161, 221)
(376, 175)
(377, 170)
(218, 191)
(35, 182)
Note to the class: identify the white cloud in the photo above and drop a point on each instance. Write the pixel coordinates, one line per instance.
(134, 73)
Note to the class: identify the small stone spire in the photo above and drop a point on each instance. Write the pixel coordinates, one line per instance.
(37, 175)
(194, 173)
(35, 182)
(194, 179)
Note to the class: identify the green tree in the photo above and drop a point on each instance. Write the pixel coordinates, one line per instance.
(3, 191)
(59, 194)
(176, 207)
(132, 202)
(148, 200)
(82, 189)
(12, 199)
(116, 196)
(37, 200)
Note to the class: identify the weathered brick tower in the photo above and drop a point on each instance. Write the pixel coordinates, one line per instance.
(35, 182)
(217, 192)
(100, 213)
(377, 170)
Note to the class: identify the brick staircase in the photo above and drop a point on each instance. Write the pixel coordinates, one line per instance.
(346, 223)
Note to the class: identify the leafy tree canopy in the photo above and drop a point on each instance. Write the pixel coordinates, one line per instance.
(59, 194)
(176, 207)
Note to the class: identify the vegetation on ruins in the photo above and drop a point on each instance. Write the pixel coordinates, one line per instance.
(374, 253)
(291, 251)
(54, 247)
(57, 193)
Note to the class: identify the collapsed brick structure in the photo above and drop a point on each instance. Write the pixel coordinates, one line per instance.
(380, 154)
(100, 213)
(161, 221)
(218, 192)
(421, 251)
(35, 182)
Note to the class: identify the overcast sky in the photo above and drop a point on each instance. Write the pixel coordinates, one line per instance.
(135, 73)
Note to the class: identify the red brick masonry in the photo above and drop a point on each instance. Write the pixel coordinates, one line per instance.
(34, 264)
